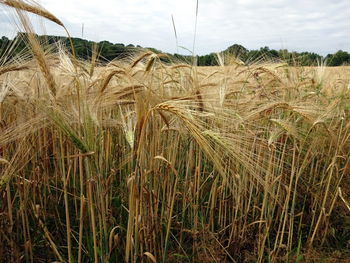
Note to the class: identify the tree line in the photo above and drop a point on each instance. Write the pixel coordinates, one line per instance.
(108, 51)
(283, 55)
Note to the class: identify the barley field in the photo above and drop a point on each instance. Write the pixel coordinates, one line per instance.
(145, 161)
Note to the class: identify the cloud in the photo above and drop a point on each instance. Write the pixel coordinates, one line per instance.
(314, 25)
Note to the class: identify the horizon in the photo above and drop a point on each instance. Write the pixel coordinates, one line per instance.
(137, 45)
(320, 27)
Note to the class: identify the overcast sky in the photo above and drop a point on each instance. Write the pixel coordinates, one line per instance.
(321, 26)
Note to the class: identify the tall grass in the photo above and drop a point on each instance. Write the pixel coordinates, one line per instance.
(141, 161)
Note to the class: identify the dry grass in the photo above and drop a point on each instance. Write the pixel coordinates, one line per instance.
(141, 161)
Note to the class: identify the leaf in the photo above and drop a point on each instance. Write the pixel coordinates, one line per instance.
(150, 256)
(150, 64)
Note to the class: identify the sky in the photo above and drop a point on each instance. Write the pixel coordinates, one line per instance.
(321, 26)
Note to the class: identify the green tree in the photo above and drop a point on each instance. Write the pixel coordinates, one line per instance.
(339, 58)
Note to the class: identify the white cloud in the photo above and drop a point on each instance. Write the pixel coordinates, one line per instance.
(313, 25)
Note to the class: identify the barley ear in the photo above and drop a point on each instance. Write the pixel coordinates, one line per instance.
(38, 10)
